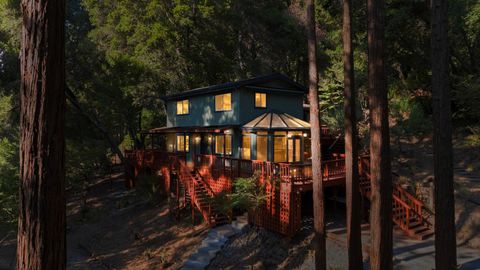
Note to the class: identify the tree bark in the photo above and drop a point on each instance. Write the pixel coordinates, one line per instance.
(318, 200)
(354, 237)
(445, 239)
(380, 167)
(41, 224)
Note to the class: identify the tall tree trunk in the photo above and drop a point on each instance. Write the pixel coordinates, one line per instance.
(445, 239)
(380, 169)
(41, 223)
(354, 237)
(318, 201)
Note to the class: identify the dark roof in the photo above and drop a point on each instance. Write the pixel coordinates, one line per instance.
(233, 85)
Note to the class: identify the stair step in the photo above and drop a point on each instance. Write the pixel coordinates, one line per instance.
(414, 224)
(424, 235)
(420, 229)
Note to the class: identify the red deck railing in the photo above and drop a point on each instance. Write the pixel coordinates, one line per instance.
(287, 172)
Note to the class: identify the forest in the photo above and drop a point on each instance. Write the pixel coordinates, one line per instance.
(123, 56)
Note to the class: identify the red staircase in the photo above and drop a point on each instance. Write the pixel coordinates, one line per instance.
(199, 195)
(409, 213)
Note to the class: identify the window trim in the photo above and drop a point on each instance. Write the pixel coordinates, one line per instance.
(215, 102)
(255, 100)
(188, 106)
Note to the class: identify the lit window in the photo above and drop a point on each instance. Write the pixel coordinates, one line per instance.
(183, 143)
(260, 100)
(182, 107)
(280, 149)
(219, 140)
(223, 142)
(262, 147)
(246, 144)
(228, 145)
(223, 102)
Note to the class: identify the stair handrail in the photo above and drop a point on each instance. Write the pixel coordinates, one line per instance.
(418, 206)
(185, 174)
(404, 220)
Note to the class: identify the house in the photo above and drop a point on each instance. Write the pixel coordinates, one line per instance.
(256, 119)
(258, 126)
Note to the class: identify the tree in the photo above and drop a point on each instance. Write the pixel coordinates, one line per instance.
(318, 201)
(41, 223)
(354, 236)
(445, 239)
(380, 167)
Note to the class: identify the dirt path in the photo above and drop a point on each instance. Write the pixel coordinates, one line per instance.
(119, 229)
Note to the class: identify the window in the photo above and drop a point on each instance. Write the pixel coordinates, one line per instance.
(182, 107)
(262, 146)
(183, 143)
(219, 140)
(228, 145)
(223, 102)
(260, 100)
(280, 147)
(223, 142)
(170, 142)
(246, 144)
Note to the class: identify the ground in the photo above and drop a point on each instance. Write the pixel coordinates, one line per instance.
(413, 164)
(120, 230)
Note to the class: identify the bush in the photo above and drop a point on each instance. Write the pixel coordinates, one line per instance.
(408, 117)
(147, 188)
(248, 194)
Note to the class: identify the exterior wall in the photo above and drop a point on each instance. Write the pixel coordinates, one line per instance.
(202, 108)
(202, 112)
(284, 102)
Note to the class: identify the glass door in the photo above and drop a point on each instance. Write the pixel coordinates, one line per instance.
(294, 149)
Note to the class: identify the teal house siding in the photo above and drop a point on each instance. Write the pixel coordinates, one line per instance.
(202, 112)
(282, 96)
(277, 101)
(202, 108)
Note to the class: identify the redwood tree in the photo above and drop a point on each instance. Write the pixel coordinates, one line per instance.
(354, 237)
(445, 239)
(318, 201)
(380, 167)
(41, 223)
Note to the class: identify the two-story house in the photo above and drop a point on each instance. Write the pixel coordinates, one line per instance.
(254, 119)
(253, 127)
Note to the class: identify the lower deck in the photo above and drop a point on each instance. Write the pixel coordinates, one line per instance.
(288, 186)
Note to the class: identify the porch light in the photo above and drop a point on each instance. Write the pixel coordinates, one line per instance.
(289, 135)
(228, 131)
(305, 135)
(197, 139)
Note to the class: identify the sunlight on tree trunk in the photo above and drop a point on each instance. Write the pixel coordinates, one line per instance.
(41, 223)
(445, 239)
(318, 200)
(380, 167)
(354, 237)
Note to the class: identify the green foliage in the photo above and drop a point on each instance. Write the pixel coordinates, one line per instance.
(473, 139)
(9, 161)
(8, 180)
(467, 99)
(147, 188)
(248, 194)
(409, 117)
